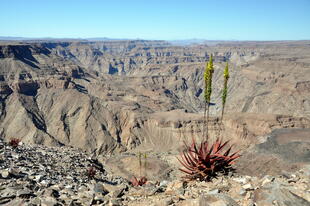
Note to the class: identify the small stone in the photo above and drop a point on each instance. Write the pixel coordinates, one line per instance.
(52, 193)
(241, 180)
(15, 156)
(213, 192)
(163, 183)
(169, 201)
(100, 199)
(189, 202)
(247, 196)
(294, 179)
(115, 190)
(230, 174)
(242, 192)
(251, 203)
(267, 179)
(248, 187)
(118, 193)
(99, 188)
(36, 201)
(31, 177)
(83, 189)
(25, 193)
(48, 201)
(68, 186)
(181, 191)
(175, 186)
(5, 174)
(44, 182)
(38, 178)
(115, 202)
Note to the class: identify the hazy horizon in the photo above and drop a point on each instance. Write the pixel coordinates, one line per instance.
(226, 20)
(20, 38)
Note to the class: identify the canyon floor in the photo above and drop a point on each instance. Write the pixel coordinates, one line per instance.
(81, 104)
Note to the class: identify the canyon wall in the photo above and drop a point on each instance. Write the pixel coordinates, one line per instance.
(117, 95)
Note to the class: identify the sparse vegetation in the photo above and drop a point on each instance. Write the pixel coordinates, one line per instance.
(140, 164)
(138, 181)
(142, 180)
(203, 161)
(145, 164)
(224, 92)
(208, 74)
(91, 172)
(14, 142)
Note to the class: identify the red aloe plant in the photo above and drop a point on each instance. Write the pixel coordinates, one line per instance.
(91, 172)
(14, 142)
(203, 162)
(138, 182)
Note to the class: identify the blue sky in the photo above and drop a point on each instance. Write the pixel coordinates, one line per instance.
(157, 19)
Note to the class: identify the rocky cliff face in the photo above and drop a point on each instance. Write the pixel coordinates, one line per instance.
(115, 95)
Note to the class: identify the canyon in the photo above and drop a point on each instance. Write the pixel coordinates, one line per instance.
(114, 95)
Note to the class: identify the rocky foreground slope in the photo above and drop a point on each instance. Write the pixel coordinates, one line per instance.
(113, 96)
(39, 175)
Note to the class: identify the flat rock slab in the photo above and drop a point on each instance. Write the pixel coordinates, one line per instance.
(285, 150)
(292, 145)
(276, 193)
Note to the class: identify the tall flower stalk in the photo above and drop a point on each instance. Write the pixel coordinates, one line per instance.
(140, 163)
(208, 74)
(224, 92)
